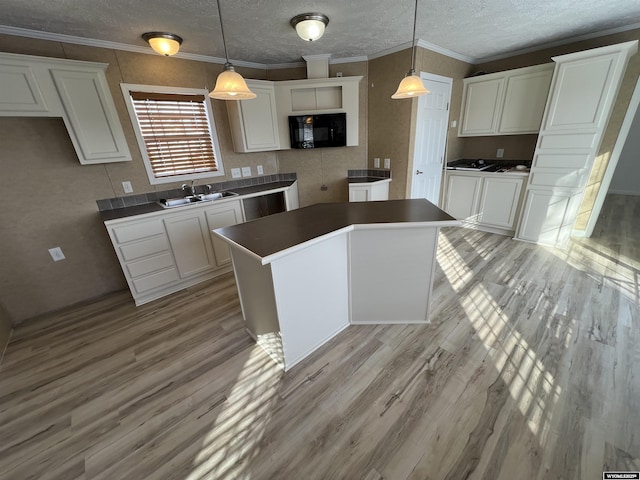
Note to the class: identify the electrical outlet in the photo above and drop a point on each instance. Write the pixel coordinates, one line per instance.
(126, 186)
(235, 173)
(56, 254)
(454, 123)
(260, 170)
(387, 163)
(376, 162)
(246, 171)
(500, 153)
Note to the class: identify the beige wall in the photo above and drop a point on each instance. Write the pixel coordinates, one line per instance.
(392, 122)
(5, 330)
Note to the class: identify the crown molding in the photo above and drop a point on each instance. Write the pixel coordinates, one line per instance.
(59, 37)
(91, 42)
(558, 43)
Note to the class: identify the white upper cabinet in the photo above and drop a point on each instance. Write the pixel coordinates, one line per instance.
(505, 103)
(318, 96)
(481, 102)
(21, 94)
(90, 115)
(74, 90)
(254, 123)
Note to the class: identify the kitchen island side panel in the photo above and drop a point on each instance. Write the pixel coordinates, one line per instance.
(391, 273)
(312, 296)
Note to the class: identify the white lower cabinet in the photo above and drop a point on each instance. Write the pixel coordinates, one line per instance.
(487, 201)
(188, 237)
(369, 192)
(165, 251)
(174, 249)
(463, 192)
(499, 202)
(218, 217)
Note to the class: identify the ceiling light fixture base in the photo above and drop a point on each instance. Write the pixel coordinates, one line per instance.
(164, 43)
(310, 26)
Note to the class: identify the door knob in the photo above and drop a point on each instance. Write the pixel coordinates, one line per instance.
(418, 172)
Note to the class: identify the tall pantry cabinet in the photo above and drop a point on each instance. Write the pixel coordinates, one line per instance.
(583, 90)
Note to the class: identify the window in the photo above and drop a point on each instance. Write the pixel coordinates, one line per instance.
(175, 132)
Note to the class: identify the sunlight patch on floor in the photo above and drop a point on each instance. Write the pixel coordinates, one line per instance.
(237, 432)
(530, 384)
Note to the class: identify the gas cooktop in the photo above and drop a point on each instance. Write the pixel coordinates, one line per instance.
(477, 165)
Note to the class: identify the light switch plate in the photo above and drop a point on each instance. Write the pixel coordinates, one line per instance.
(387, 163)
(246, 171)
(376, 162)
(260, 170)
(56, 254)
(126, 186)
(235, 173)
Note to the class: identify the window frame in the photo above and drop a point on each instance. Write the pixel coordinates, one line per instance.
(217, 151)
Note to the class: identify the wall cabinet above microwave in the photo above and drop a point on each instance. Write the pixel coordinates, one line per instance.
(74, 90)
(505, 103)
(262, 124)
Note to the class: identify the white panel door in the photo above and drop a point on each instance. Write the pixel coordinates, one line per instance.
(431, 139)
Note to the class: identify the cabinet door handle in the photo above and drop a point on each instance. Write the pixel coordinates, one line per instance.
(418, 172)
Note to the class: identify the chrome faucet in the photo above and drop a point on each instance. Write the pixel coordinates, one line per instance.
(192, 189)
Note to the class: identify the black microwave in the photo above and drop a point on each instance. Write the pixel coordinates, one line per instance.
(318, 131)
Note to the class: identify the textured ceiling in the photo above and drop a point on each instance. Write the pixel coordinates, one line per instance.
(258, 30)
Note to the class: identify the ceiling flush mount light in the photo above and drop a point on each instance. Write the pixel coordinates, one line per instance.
(411, 85)
(230, 85)
(310, 26)
(166, 44)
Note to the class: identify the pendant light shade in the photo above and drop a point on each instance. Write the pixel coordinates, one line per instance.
(166, 44)
(411, 85)
(230, 85)
(310, 26)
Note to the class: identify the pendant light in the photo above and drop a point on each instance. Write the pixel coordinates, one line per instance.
(230, 85)
(411, 85)
(166, 44)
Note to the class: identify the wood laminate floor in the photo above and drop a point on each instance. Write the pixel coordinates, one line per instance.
(528, 371)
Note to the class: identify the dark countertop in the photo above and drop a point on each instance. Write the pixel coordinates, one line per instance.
(367, 179)
(154, 207)
(269, 235)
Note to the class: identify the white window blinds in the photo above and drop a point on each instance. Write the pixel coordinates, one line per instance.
(176, 133)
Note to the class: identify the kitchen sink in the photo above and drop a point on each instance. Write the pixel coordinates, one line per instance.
(193, 199)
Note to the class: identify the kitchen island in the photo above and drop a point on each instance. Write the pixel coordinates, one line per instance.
(305, 275)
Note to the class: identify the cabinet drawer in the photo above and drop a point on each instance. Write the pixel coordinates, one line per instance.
(579, 160)
(562, 142)
(137, 231)
(144, 248)
(149, 265)
(567, 178)
(155, 280)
